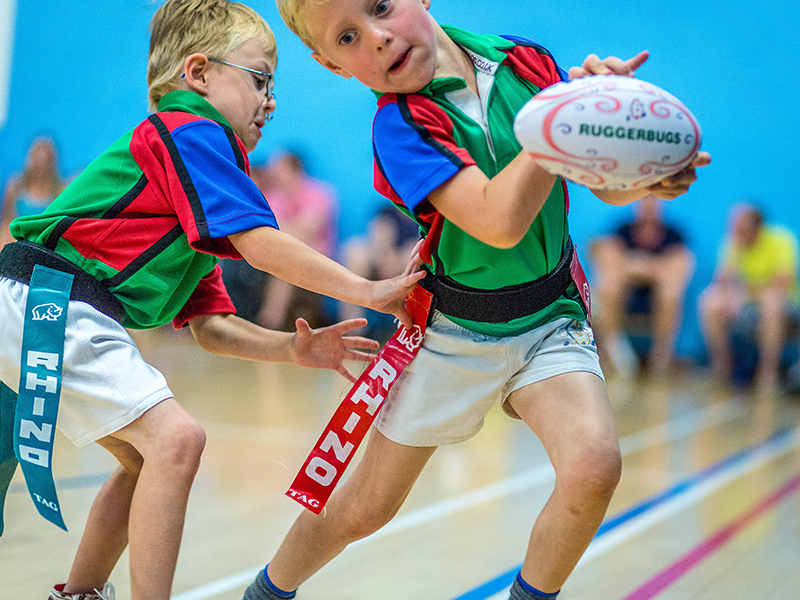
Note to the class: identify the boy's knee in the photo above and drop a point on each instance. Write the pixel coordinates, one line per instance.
(180, 444)
(367, 518)
(594, 472)
(188, 441)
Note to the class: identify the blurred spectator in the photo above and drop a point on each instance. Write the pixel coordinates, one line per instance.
(30, 191)
(644, 267)
(305, 208)
(754, 295)
(379, 254)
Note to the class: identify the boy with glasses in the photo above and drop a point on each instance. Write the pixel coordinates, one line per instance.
(138, 234)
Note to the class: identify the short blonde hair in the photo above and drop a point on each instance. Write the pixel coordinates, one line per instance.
(212, 27)
(292, 13)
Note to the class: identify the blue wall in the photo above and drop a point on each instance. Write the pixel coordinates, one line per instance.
(78, 73)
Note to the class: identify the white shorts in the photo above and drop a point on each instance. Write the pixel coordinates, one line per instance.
(443, 396)
(106, 384)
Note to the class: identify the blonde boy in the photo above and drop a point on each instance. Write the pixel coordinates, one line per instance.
(140, 231)
(496, 227)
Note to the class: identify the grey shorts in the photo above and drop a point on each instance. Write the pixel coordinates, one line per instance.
(443, 396)
(106, 384)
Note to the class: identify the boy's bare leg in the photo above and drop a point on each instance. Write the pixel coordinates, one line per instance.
(573, 418)
(106, 533)
(366, 501)
(170, 443)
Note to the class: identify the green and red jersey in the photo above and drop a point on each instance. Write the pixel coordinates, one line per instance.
(422, 140)
(151, 215)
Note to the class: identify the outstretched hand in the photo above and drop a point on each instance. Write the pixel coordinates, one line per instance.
(328, 347)
(592, 65)
(389, 294)
(676, 185)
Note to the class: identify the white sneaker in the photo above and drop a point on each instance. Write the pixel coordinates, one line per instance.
(58, 593)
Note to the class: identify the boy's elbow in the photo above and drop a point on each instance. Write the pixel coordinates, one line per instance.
(504, 237)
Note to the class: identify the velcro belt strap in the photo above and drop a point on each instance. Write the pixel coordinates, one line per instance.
(18, 260)
(503, 304)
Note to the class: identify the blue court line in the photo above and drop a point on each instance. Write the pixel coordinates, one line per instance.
(67, 483)
(777, 439)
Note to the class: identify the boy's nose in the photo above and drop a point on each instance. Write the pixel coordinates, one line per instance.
(270, 104)
(380, 36)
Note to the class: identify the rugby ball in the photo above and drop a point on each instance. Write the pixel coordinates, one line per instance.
(608, 132)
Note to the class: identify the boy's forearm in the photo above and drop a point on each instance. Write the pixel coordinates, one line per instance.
(287, 258)
(229, 335)
(497, 211)
(620, 197)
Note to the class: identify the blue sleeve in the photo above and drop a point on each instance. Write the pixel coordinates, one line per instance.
(412, 157)
(231, 201)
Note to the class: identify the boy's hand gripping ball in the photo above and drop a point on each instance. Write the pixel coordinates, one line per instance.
(608, 132)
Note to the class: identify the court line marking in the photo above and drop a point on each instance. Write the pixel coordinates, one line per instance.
(659, 507)
(712, 544)
(681, 426)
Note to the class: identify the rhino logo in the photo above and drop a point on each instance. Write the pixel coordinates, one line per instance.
(410, 340)
(47, 312)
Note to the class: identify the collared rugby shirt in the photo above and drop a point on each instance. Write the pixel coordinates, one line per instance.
(422, 140)
(151, 215)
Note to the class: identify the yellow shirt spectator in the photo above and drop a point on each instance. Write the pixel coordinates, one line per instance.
(773, 253)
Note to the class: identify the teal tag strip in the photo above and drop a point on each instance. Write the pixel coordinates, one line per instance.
(40, 386)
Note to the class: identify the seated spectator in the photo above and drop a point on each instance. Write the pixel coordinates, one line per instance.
(645, 266)
(754, 295)
(30, 191)
(382, 252)
(305, 208)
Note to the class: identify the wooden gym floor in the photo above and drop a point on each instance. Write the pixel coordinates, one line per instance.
(708, 507)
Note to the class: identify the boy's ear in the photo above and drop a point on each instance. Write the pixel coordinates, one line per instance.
(194, 72)
(331, 66)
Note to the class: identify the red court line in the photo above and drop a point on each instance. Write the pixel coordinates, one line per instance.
(700, 552)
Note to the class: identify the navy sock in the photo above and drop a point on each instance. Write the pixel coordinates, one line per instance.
(263, 589)
(522, 590)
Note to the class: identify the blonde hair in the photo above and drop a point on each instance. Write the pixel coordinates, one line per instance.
(292, 12)
(212, 27)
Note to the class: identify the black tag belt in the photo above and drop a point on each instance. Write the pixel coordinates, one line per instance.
(503, 304)
(18, 259)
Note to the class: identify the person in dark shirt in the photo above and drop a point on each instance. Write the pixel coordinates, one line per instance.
(645, 266)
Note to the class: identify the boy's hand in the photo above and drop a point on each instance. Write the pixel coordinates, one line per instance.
(676, 185)
(611, 65)
(388, 295)
(327, 347)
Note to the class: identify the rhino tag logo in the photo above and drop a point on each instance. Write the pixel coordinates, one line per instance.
(411, 340)
(47, 312)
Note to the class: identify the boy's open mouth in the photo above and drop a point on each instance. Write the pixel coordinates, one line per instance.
(400, 61)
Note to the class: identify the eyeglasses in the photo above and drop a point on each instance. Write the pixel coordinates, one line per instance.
(264, 81)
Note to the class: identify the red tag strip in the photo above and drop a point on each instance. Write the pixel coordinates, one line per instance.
(349, 425)
(579, 277)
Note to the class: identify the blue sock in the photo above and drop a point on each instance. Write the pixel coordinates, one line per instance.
(522, 590)
(263, 589)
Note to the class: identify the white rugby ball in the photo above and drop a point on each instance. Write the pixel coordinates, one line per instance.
(608, 132)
